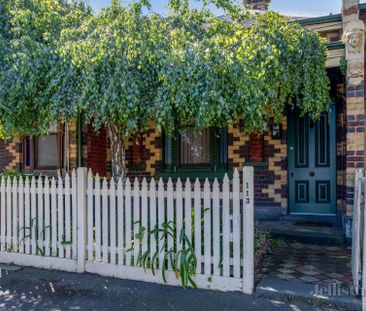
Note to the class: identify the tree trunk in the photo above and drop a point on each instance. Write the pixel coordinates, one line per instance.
(118, 153)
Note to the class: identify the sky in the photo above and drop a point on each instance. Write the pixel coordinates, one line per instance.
(308, 8)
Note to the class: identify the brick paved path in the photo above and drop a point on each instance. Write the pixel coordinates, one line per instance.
(312, 264)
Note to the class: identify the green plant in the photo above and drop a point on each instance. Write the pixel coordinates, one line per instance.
(34, 227)
(183, 262)
(12, 174)
(263, 240)
(39, 235)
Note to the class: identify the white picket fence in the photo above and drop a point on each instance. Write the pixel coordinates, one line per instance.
(359, 237)
(84, 223)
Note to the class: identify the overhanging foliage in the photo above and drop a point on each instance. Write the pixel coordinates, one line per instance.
(124, 68)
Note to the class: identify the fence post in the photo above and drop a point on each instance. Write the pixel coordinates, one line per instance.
(363, 276)
(81, 218)
(356, 227)
(248, 230)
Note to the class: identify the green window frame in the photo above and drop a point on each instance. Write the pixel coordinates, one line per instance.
(216, 167)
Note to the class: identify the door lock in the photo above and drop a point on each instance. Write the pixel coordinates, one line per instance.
(312, 174)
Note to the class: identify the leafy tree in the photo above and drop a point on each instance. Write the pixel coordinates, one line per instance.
(31, 61)
(228, 71)
(118, 54)
(125, 69)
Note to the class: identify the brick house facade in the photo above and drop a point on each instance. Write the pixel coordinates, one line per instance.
(268, 153)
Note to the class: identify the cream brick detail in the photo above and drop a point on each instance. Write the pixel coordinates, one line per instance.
(281, 174)
(11, 147)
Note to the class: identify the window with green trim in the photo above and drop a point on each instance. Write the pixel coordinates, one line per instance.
(196, 151)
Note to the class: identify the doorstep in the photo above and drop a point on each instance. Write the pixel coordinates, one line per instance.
(307, 232)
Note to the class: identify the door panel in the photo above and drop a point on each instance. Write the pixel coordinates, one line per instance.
(312, 164)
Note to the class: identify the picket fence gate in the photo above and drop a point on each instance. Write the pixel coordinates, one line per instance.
(358, 263)
(86, 224)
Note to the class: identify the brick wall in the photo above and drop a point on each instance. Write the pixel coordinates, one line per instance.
(270, 176)
(97, 144)
(10, 155)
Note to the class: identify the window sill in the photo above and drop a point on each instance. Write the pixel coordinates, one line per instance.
(256, 164)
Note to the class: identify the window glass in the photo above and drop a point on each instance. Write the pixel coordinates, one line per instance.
(46, 151)
(195, 147)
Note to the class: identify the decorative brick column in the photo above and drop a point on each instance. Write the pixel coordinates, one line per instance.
(353, 38)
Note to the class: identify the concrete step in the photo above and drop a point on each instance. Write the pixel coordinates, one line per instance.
(306, 232)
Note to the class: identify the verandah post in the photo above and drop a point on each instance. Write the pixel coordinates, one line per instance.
(248, 230)
(81, 218)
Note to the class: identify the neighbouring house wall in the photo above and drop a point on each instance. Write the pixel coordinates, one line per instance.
(355, 106)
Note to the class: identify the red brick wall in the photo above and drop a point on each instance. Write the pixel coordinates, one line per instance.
(256, 148)
(97, 151)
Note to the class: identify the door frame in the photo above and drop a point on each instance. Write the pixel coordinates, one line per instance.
(332, 161)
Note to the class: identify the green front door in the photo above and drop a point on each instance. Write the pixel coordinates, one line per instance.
(312, 164)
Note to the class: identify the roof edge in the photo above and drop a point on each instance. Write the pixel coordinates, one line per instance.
(321, 19)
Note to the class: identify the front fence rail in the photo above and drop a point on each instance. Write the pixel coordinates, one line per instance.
(149, 231)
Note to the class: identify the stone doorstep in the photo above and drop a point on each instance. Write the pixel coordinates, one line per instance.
(273, 287)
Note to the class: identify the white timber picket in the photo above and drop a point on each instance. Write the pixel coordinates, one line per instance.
(226, 227)
(21, 215)
(363, 275)
(105, 232)
(152, 200)
(90, 212)
(236, 224)
(128, 229)
(161, 219)
(179, 214)
(98, 230)
(216, 226)
(197, 225)
(67, 216)
(33, 227)
(120, 222)
(26, 231)
(136, 221)
(188, 209)
(74, 225)
(207, 227)
(53, 217)
(8, 214)
(60, 219)
(105, 227)
(248, 232)
(15, 213)
(81, 219)
(40, 220)
(170, 214)
(112, 210)
(144, 216)
(3, 214)
(47, 220)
